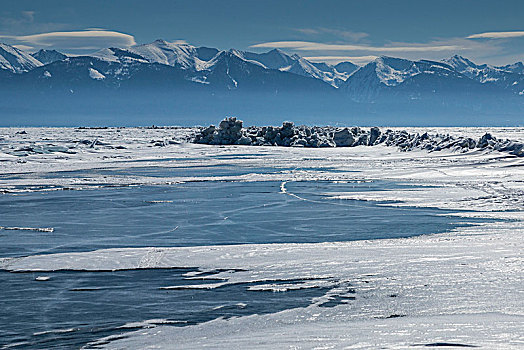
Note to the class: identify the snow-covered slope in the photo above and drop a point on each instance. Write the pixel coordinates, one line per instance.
(274, 59)
(48, 56)
(509, 76)
(179, 55)
(366, 82)
(15, 60)
(235, 69)
(171, 54)
(117, 55)
(483, 73)
(302, 66)
(386, 73)
(277, 59)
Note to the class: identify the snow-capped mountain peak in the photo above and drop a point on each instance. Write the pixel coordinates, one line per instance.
(390, 73)
(48, 56)
(236, 69)
(509, 76)
(274, 59)
(460, 63)
(161, 67)
(191, 58)
(245, 57)
(114, 54)
(517, 67)
(279, 60)
(181, 55)
(15, 60)
(171, 54)
(393, 71)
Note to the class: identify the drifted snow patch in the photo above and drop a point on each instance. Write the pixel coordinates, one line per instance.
(96, 75)
(201, 80)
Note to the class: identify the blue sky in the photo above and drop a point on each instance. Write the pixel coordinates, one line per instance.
(331, 31)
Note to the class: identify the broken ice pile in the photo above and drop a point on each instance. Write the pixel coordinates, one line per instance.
(231, 132)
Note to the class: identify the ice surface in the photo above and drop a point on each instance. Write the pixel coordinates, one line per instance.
(39, 229)
(448, 287)
(42, 278)
(489, 331)
(462, 287)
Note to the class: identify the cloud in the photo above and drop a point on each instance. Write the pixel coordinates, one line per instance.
(315, 46)
(486, 51)
(307, 31)
(74, 40)
(497, 35)
(338, 59)
(24, 47)
(330, 45)
(343, 34)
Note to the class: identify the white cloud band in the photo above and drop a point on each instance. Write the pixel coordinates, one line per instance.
(314, 46)
(338, 59)
(75, 40)
(497, 35)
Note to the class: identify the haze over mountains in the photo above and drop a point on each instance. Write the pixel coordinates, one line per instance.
(180, 84)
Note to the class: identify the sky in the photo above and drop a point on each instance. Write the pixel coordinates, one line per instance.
(323, 31)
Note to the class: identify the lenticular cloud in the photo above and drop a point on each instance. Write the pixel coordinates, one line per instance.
(85, 39)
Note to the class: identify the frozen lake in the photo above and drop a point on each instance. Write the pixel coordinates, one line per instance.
(207, 213)
(104, 242)
(75, 307)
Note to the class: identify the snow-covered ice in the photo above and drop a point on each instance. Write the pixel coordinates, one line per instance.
(460, 288)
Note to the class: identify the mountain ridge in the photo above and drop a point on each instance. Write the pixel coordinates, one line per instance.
(189, 57)
(178, 79)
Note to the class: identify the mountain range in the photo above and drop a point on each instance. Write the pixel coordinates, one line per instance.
(177, 83)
